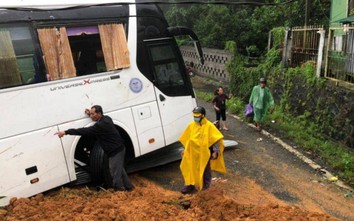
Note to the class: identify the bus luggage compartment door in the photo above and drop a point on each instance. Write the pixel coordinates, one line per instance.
(31, 163)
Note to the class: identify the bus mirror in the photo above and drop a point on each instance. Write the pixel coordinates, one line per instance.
(179, 31)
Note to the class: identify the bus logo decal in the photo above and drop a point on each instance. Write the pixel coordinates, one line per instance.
(85, 82)
(136, 85)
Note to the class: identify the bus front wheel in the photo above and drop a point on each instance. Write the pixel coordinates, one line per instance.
(99, 168)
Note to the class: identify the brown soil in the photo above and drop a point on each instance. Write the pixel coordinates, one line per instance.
(149, 202)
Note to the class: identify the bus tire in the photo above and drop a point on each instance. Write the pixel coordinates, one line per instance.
(99, 168)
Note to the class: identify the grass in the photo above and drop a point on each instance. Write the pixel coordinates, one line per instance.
(206, 96)
(335, 155)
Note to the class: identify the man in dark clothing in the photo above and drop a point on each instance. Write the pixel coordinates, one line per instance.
(111, 142)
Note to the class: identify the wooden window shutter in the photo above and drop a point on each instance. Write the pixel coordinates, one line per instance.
(114, 46)
(48, 41)
(67, 66)
(57, 54)
(9, 71)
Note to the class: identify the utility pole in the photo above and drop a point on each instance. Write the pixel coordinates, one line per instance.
(307, 11)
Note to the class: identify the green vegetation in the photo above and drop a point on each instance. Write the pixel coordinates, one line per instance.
(310, 130)
(206, 96)
(306, 134)
(245, 24)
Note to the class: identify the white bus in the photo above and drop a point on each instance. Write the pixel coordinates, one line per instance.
(58, 58)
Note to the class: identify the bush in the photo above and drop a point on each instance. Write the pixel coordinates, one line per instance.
(235, 106)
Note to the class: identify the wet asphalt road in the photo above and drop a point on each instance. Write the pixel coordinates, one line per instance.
(276, 170)
(239, 159)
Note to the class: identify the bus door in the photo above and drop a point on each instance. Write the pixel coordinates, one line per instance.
(174, 92)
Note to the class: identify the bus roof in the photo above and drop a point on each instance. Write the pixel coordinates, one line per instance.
(56, 4)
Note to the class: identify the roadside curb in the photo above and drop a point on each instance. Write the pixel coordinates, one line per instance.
(326, 174)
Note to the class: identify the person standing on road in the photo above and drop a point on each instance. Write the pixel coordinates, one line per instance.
(219, 102)
(111, 142)
(203, 151)
(261, 100)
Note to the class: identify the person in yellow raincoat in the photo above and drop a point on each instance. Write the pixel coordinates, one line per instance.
(203, 151)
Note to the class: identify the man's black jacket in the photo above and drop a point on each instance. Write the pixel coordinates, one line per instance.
(106, 133)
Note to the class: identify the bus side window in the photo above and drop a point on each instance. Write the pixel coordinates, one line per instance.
(86, 57)
(168, 75)
(19, 64)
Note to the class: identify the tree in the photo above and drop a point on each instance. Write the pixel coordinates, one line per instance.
(248, 25)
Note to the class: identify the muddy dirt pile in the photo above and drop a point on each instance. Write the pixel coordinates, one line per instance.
(147, 202)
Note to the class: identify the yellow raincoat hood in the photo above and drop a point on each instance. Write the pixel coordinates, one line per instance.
(196, 139)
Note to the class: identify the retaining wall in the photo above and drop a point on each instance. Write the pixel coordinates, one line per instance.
(214, 62)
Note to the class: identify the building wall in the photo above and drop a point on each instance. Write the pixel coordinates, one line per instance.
(339, 9)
